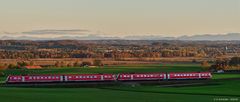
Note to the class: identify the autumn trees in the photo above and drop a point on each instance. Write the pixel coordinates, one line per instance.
(226, 64)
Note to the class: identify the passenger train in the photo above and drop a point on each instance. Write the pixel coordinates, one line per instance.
(108, 77)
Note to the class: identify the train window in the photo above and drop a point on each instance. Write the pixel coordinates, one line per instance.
(141, 75)
(151, 75)
(76, 76)
(49, 77)
(124, 76)
(84, 77)
(95, 76)
(70, 77)
(30, 77)
(80, 76)
(137, 75)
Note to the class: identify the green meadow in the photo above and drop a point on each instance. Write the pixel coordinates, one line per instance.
(222, 87)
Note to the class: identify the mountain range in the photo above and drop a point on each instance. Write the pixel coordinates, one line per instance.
(229, 36)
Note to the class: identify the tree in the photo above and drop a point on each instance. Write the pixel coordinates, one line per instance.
(76, 64)
(2, 74)
(57, 64)
(220, 64)
(3, 66)
(205, 65)
(12, 66)
(22, 63)
(235, 61)
(62, 64)
(85, 63)
(70, 64)
(97, 62)
(31, 63)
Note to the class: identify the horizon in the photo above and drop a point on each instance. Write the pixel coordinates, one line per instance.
(59, 18)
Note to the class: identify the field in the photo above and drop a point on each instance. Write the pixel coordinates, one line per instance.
(221, 87)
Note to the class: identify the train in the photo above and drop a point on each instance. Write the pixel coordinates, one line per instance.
(161, 76)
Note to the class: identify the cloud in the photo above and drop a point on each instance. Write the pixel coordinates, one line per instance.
(57, 32)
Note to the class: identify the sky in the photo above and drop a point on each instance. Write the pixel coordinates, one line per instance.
(50, 18)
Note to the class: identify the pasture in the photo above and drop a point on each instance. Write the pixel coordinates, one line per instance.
(220, 89)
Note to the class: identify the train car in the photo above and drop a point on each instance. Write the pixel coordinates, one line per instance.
(188, 75)
(141, 76)
(90, 77)
(43, 78)
(205, 75)
(14, 79)
(35, 78)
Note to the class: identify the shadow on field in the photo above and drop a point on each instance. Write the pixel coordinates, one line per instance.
(164, 92)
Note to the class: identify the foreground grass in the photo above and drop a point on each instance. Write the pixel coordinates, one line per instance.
(225, 76)
(229, 89)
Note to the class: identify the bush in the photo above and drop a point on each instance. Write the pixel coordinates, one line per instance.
(235, 61)
(12, 66)
(2, 74)
(97, 62)
(85, 63)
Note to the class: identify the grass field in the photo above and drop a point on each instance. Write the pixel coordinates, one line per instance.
(229, 90)
(225, 89)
